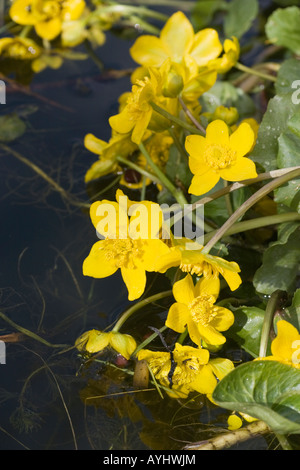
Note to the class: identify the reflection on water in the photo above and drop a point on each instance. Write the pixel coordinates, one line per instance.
(48, 398)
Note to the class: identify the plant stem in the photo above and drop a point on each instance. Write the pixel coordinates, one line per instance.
(191, 117)
(253, 224)
(175, 119)
(248, 204)
(138, 169)
(273, 305)
(92, 54)
(177, 193)
(250, 71)
(138, 306)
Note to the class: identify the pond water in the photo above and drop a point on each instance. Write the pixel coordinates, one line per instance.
(48, 400)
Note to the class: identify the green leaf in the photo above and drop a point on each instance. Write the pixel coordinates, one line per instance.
(280, 266)
(177, 168)
(292, 313)
(240, 17)
(204, 11)
(282, 28)
(288, 75)
(225, 94)
(246, 330)
(11, 127)
(279, 112)
(266, 390)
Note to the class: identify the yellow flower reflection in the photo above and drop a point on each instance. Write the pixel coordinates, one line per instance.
(47, 16)
(94, 341)
(285, 347)
(128, 244)
(193, 261)
(195, 310)
(186, 370)
(19, 48)
(220, 155)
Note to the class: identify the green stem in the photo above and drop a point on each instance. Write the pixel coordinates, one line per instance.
(191, 117)
(138, 169)
(274, 303)
(92, 54)
(177, 193)
(25, 31)
(149, 340)
(130, 10)
(175, 119)
(260, 222)
(283, 441)
(250, 71)
(138, 306)
(248, 204)
(30, 333)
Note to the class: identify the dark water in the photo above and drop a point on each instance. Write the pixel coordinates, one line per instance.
(47, 400)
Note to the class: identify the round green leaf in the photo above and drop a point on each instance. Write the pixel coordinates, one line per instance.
(266, 390)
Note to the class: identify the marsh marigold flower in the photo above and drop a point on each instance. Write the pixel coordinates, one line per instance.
(193, 371)
(94, 341)
(193, 261)
(47, 16)
(123, 247)
(285, 347)
(195, 310)
(19, 48)
(230, 57)
(178, 42)
(220, 155)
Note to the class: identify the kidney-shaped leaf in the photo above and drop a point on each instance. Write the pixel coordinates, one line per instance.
(266, 390)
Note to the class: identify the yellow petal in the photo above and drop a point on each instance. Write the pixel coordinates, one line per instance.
(221, 367)
(242, 139)
(152, 252)
(122, 122)
(21, 12)
(110, 218)
(135, 281)
(148, 51)
(243, 169)
(184, 291)
(140, 126)
(201, 184)
(205, 382)
(223, 320)
(210, 286)
(210, 335)
(93, 341)
(217, 132)
(177, 317)
(96, 264)
(169, 260)
(93, 144)
(177, 36)
(122, 343)
(72, 9)
(282, 345)
(234, 422)
(98, 169)
(49, 29)
(195, 145)
(206, 47)
(198, 166)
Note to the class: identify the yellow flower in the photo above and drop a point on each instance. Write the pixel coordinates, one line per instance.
(177, 41)
(186, 370)
(128, 244)
(195, 262)
(19, 48)
(47, 16)
(285, 347)
(195, 309)
(229, 58)
(137, 115)
(220, 155)
(118, 145)
(94, 341)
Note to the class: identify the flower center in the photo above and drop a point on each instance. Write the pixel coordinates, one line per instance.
(123, 252)
(219, 157)
(202, 309)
